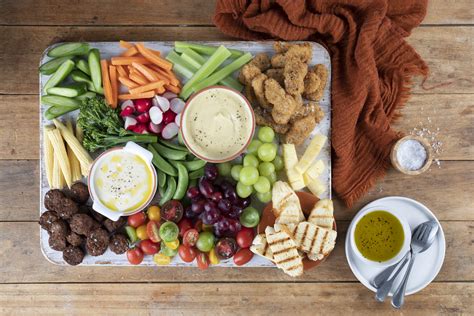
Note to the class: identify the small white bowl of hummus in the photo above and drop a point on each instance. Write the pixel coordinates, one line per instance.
(217, 124)
(122, 181)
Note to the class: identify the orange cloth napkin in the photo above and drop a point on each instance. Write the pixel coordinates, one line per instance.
(372, 65)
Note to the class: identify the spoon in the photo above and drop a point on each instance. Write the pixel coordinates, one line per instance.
(384, 281)
(423, 237)
(385, 274)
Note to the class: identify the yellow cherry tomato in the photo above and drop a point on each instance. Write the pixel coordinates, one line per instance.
(161, 259)
(172, 244)
(141, 232)
(213, 258)
(207, 228)
(154, 213)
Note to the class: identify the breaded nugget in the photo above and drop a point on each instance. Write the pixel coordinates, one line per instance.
(277, 74)
(283, 104)
(280, 47)
(263, 118)
(248, 72)
(261, 61)
(294, 72)
(322, 73)
(311, 82)
(311, 108)
(259, 90)
(300, 130)
(248, 92)
(303, 52)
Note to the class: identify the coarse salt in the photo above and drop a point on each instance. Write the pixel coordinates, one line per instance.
(411, 155)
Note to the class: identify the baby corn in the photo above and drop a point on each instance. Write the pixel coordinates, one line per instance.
(48, 156)
(61, 154)
(73, 161)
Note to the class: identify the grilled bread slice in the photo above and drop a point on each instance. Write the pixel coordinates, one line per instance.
(316, 241)
(286, 205)
(285, 253)
(322, 214)
(260, 247)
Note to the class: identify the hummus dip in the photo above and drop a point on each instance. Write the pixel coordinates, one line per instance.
(217, 124)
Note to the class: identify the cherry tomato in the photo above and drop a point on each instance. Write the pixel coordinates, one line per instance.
(137, 220)
(173, 245)
(202, 261)
(142, 233)
(135, 255)
(213, 258)
(154, 213)
(153, 231)
(187, 254)
(149, 247)
(191, 237)
(245, 237)
(161, 259)
(242, 256)
(184, 225)
(172, 211)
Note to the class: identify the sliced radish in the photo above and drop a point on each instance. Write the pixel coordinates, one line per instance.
(168, 117)
(169, 95)
(140, 129)
(127, 103)
(143, 118)
(161, 102)
(170, 131)
(130, 123)
(177, 105)
(142, 105)
(156, 115)
(127, 111)
(177, 119)
(154, 128)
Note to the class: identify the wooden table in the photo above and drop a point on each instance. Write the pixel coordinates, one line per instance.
(30, 284)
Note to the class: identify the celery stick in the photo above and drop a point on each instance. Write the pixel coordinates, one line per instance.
(190, 60)
(180, 66)
(223, 72)
(193, 56)
(219, 56)
(203, 49)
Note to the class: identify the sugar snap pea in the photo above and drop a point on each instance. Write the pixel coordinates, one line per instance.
(51, 66)
(60, 74)
(161, 163)
(161, 189)
(169, 153)
(69, 49)
(161, 178)
(190, 165)
(170, 190)
(183, 180)
(172, 145)
(196, 174)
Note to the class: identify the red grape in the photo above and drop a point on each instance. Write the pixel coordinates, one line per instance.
(235, 211)
(216, 196)
(211, 172)
(193, 193)
(198, 206)
(206, 188)
(224, 205)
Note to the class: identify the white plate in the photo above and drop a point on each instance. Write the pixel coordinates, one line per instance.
(427, 264)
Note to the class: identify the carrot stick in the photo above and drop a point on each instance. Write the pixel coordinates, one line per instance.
(144, 95)
(130, 52)
(114, 84)
(121, 70)
(153, 58)
(145, 71)
(128, 60)
(172, 88)
(170, 78)
(125, 44)
(138, 78)
(156, 52)
(106, 81)
(127, 82)
(160, 90)
(148, 87)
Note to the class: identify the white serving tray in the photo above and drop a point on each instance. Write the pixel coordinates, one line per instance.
(110, 49)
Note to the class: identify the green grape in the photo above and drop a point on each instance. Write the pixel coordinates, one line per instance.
(250, 217)
(248, 175)
(278, 163)
(224, 169)
(251, 160)
(267, 152)
(253, 147)
(243, 190)
(266, 134)
(235, 172)
(272, 177)
(264, 197)
(262, 185)
(265, 168)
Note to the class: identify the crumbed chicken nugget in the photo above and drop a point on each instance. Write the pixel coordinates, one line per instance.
(261, 61)
(303, 52)
(283, 104)
(311, 82)
(278, 60)
(264, 118)
(300, 130)
(322, 73)
(294, 72)
(280, 47)
(248, 72)
(311, 108)
(259, 90)
(277, 74)
(248, 92)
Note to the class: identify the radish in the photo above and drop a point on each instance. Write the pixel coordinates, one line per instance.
(156, 115)
(170, 131)
(177, 105)
(130, 123)
(161, 102)
(140, 129)
(177, 119)
(169, 95)
(127, 111)
(154, 128)
(142, 105)
(168, 117)
(127, 103)
(143, 118)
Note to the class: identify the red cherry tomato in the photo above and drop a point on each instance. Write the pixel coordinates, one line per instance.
(135, 255)
(149, 247)
(190, 237)
(153, 231)
(242, 256)
(136, 220)
(245, 237)
(202, 261)
(187, 254)
(184, 225)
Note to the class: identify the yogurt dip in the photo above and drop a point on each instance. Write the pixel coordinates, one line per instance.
(217, 124)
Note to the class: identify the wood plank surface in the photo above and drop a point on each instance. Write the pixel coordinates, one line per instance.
(220, 299)
(168, 12)
(447, 50)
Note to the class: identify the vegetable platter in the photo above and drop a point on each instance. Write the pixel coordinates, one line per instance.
(107, 51)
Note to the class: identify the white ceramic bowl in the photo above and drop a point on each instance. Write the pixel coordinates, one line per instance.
(406, 242)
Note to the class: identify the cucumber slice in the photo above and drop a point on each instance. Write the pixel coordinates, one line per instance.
(94, 67)
(83, 65)
(79, 76)
(69, 49)
(59, 75)
(55, 100)
(51, 66)
(55, 111)
(86, 95)
(70, 91)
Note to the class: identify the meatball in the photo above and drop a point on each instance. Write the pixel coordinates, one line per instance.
(97, 242)
(82, 224)
(73, 255)
(52, 199)
(118, 243)
(57, 242)
(97, 216)
(79, 192)
(84, 209)
(59, 228)
(75, 239)
(47, 218)
(67, 208)
(112, 226)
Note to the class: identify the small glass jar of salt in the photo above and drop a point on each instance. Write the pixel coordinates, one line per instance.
(411, 155)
